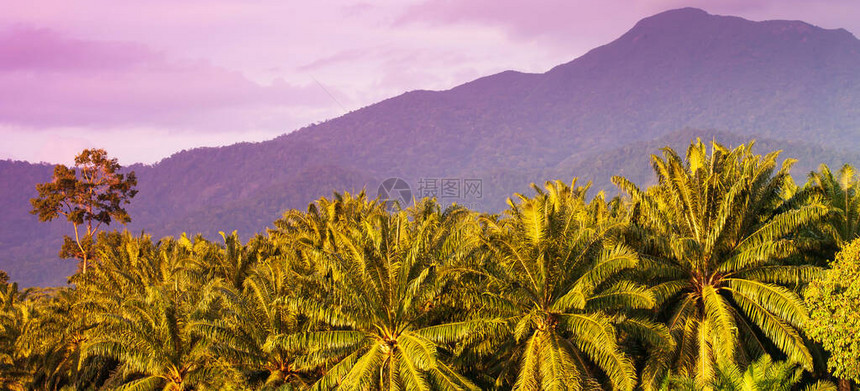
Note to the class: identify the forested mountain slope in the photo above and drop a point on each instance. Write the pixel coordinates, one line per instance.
(792, 85)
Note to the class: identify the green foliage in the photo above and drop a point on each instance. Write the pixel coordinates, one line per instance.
(834, 321)
(15, 316)
(88, 195)
(378, 277)
(764, 374)
(687, 284)
(717, 234)
(842, 194)
(555, 281)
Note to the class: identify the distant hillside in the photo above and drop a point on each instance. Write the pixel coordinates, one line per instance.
(792, 85)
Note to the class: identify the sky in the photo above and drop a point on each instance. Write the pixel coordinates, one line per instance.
(146, 79)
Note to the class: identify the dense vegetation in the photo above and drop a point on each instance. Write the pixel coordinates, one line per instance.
(696, 283)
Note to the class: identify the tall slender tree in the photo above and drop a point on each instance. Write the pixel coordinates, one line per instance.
(89, 195)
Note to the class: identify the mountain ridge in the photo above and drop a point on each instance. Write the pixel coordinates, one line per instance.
(664, 80)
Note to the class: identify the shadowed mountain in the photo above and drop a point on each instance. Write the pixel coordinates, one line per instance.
(792, 85)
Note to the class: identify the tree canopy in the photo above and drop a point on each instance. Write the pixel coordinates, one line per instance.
(90, 194)
(833, 310)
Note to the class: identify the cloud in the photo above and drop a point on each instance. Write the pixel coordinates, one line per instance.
(50, 80)
(133, 144)
(44, 50)
(553, 19)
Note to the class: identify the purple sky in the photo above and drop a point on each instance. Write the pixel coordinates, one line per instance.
(147, 79)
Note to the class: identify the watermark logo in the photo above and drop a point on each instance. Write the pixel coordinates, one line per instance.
(395, 190)
(451, 189)
(464, 191)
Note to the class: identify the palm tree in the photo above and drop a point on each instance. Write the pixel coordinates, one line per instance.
(232, 261)
(554, 278)
(56, 338)
(842, 194)
(17, 314)
(715, 235)
(144, 304)
(260, 313)
(153, 338)
(379, 279)
(764, 374)
(310, 235)
(129, 264)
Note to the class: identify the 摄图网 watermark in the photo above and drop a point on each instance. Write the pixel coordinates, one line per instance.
(463, 191)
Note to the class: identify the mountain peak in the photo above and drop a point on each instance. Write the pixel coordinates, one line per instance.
(693, 22)
(680, 13)
(690, 38)
(681, 18)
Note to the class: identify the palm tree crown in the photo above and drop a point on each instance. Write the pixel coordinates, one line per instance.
(716, 234)
(380, 276)
(555, 280)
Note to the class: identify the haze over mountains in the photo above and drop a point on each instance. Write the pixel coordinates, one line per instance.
(673, 77)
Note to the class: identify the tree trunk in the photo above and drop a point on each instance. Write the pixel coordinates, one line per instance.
(844, 385)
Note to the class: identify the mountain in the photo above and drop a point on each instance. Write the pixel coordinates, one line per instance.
(675, 76)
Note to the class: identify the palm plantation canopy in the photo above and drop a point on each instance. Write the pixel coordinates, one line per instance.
(693, 283)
